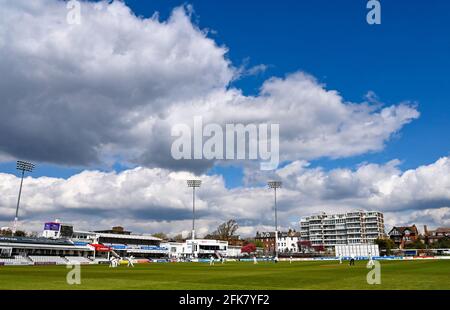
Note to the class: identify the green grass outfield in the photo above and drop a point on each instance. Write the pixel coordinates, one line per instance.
(410, 275)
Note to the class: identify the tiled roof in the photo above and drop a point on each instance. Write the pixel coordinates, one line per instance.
(402, 229)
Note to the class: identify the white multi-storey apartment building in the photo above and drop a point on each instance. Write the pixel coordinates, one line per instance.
(329, 230)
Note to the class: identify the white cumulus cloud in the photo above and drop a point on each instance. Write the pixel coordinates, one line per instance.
(111, 88)
(154, 199)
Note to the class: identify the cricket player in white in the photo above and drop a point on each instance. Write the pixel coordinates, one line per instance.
(290, 259)
(211, 260)
(370, 263)
(255, 261)
(340, 258)
(113, 262)
(130, 261)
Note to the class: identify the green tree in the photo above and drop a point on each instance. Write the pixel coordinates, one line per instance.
(259, 243)
(385, 244)
(178, 238)
(416, 244)
(6, 233)
(20, 233)
(160, 235)
(443, 243)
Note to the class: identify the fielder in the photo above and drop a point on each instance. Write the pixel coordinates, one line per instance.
(370, 263)
(130, 261)
(113, 262)
(352, 260)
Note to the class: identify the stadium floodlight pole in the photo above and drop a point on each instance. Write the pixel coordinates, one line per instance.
(193, 184)
(275, 185)
(21, 166)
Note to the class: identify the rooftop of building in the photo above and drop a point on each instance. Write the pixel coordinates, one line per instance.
(323, 215)
(402, 229)
(118, 232)
(35, 240)
(281, 234)
(115, 230)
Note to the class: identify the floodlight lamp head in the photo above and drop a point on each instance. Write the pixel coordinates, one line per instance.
(274, 184)
(194, 183)
(25, 166)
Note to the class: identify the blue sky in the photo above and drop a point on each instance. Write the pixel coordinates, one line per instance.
(404, 58)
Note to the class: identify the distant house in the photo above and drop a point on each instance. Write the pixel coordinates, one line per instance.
(287, 241)
(236, 241)
(402, 235)
(435, 235)
(268, 240)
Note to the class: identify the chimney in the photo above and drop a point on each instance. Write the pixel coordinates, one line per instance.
(425, 230)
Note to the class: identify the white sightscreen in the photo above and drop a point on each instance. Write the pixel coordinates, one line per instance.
(357, 250)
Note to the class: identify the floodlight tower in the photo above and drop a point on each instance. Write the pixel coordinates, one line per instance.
(21, 166)
(275, 185)
(193, 184)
